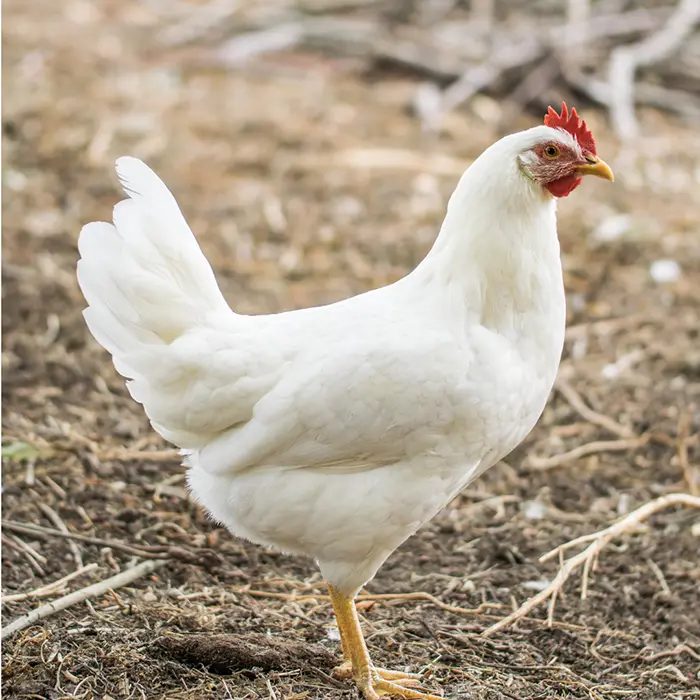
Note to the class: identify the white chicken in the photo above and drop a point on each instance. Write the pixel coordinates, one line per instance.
(337, 431)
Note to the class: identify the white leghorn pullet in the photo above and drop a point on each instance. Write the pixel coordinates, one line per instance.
(337, 431)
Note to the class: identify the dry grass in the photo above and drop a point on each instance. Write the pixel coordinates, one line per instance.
(282, 170)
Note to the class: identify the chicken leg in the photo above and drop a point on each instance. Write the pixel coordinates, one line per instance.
(372, 681)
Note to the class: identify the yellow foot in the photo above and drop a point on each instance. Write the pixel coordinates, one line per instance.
(373, 682)
(373, 685)
(344, 672)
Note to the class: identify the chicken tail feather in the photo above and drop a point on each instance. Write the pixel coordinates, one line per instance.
(144, 277)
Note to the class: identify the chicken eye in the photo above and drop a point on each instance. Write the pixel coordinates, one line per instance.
(551, 151)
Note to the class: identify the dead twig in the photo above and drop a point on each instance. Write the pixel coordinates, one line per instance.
(245, 47)
(582, 31)
(579, 405)
(56, 488)
(656, 570)
(400, 597)
(535, 83)
(480, 76)
(31, 529)
(20, 546)
(543, 463)
(49, 588)
(166, 487)
(195, 24)
(55, 518)
(676, 651)
(422, 595)
(598, 541)
(628, 522)
(418, 595)
(625, 60)
(96, 589)
(197, 556)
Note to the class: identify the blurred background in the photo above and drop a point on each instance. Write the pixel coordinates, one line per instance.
(312, 147)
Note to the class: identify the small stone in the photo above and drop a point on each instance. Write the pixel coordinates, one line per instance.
(534, 510)
(611, 228)
(665, 271)
(536, 585)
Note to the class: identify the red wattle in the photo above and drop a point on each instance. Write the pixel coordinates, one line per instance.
(564, 186)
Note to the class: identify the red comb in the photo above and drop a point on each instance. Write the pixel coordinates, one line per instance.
(571, 123)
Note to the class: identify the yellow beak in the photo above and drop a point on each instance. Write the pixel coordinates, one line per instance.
(598, 167)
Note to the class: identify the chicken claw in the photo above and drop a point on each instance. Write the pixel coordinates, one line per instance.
(403, 678)
(373, 686)
(373, 682)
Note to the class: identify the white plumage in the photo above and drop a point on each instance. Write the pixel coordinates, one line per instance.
(337, 431)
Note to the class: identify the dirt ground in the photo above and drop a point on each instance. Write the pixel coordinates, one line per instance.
(307, 181)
